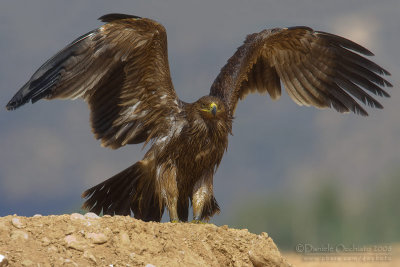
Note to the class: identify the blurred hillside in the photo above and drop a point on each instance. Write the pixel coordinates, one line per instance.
(326, 215)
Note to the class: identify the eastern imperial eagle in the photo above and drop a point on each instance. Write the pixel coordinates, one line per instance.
(121, 70)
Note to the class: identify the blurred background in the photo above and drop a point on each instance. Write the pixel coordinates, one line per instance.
(299, 174)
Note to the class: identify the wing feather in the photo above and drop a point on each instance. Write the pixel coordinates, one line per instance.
(317, 69)
(121, 70)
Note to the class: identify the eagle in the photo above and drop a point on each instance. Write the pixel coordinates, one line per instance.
(121, 70)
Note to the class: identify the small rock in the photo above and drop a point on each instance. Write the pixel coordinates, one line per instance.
(88, 255)
(124, 239)
(264, 235)
(150, 265)
(70, 229)
(45, 241)
(3, 227)
(16, 222)
(3, 261)
(106, 216)
(69, 262)
(77, 216)
(37, 223)
(97, 238)
(52, 249)
(37, 215)
(132, 256)
(27, 263)
(72, 242)
(19, 234)
(265, 253)
(91, 215)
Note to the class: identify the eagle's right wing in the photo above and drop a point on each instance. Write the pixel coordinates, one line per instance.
(317, 69)
(121, 70)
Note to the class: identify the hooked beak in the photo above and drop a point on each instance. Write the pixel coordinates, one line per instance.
(214, 109)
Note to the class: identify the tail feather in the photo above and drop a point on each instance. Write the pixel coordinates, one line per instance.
(210, 208)
(131, 190)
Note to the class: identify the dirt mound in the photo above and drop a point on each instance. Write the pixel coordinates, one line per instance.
(77, 240)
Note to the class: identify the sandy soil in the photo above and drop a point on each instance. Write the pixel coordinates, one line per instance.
(77, 240)
(374, 258)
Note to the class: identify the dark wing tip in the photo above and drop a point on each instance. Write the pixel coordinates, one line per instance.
(11, 106)
(387, 74)
(344, 42)
(116, 16)
(17, 101)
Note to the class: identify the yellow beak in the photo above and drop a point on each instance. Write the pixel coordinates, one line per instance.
(213, 108)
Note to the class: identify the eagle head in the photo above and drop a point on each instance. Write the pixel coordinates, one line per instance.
(210, 107)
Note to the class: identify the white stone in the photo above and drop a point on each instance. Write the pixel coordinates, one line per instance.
(17, 223)
(77, 216)
(91, 215)
(97, 238)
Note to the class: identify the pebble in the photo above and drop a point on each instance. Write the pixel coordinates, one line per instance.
(77, 216)
(72, 242)
(19, 234)
(17, 223)
(52, 249)
(70, 229)
(124, 239)
(150, 265)
(91, 215)
(27, 263)
(132, 256)
(45, 241)
(264, 235)
(37, 215)
(259, 258)
(69, 262)
(97, 238)
(3, 227)
(88, 255)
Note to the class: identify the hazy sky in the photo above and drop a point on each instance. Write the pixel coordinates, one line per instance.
(48, 154)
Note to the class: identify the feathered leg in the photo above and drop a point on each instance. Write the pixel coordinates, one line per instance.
(203, 201)
(166, 175)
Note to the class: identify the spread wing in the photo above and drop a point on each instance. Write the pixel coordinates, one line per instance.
(317, 69)
(121, 70)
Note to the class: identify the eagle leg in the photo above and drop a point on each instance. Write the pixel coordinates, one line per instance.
(203, 201)
(169, 189)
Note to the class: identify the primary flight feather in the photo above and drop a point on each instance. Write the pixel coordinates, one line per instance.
(121, 70)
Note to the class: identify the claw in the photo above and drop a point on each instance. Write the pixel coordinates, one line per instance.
(198, 222)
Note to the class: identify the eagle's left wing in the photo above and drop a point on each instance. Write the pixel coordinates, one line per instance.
(121, 70)
(317, 69)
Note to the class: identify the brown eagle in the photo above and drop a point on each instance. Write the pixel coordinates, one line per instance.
(121, 70)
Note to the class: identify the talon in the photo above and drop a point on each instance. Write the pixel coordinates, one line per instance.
(198, 222)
